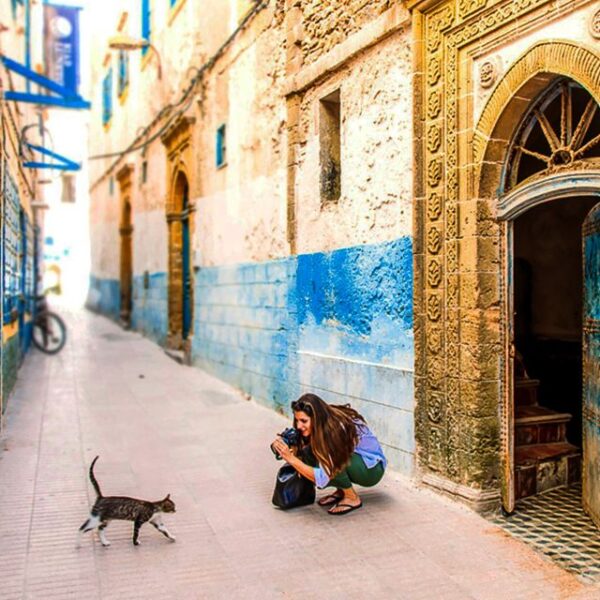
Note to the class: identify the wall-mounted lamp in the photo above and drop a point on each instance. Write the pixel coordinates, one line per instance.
(125, 42)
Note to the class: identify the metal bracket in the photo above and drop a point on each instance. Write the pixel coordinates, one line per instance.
(64, 164)
(65, 98)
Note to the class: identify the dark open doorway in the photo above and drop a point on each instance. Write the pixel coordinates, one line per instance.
(548, 339)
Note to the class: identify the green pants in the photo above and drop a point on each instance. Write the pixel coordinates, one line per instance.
(355, 472)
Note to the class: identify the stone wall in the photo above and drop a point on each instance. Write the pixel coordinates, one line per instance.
(375, 204)
(327, 23)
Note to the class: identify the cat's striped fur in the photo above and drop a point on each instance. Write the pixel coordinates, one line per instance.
(109, 508)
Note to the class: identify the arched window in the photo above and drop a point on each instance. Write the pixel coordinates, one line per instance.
(560, 131)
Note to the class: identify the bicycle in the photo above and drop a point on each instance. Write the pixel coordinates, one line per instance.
(49, 333)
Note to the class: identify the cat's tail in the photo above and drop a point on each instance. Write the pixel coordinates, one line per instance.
(93, 479)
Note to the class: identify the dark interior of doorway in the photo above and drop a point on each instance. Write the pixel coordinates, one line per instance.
(548, 331)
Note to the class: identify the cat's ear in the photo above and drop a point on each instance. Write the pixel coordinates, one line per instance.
(167, 498)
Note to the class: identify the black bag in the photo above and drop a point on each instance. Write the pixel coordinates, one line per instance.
(291, 489)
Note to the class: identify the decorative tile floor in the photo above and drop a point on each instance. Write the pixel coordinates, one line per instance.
(554, 523)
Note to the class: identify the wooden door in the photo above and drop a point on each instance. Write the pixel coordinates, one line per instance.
(591, 365)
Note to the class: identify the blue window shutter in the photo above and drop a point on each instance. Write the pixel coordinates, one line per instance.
(107, 86)
(146, 22)
(221, 149)
(123, 81)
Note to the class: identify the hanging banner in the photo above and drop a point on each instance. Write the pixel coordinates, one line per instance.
(61, 45)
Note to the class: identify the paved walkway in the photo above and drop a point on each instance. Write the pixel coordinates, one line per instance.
(160, 427)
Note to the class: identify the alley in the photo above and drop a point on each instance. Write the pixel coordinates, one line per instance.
(160, 428)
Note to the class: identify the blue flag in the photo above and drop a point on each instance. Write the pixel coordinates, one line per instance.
(61, 45)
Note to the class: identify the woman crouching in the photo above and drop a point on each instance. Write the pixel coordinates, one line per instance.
(344, 451)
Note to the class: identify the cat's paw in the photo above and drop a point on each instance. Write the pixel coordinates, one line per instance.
(172, 538)
(137, 543)
(106, 544)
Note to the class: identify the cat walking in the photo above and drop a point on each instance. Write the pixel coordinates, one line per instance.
(109, 508)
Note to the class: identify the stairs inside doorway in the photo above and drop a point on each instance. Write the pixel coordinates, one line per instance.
(544, 459)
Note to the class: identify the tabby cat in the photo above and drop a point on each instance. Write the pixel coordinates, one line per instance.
(108, 508)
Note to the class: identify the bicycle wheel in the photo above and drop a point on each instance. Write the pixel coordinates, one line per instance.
(49, 332)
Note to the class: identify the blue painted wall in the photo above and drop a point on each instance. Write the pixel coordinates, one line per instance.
(244, 327)
(339, 324)
(150, 311)
(104, 296)
(355, 337)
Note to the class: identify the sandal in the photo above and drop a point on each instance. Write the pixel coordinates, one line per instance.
(347, 509)
(330, 499)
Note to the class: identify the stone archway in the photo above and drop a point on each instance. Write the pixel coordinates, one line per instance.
(125, 178)
(459, 252)
(545, 69)
(180, 224)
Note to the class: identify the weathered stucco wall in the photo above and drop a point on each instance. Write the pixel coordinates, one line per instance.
(376, 147)
(18, 191)
(242, 205)
(326, 24)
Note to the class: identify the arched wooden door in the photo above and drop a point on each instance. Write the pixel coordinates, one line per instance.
(126, 269)
(180, 271)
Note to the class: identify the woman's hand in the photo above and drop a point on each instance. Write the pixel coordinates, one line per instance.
(282, 449)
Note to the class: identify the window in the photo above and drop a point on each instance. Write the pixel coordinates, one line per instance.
(68, 187)
(146, 23)
(107, 86)
(123, 80)
(172, 3)
(111, 186)
(330, 148)
(144, 174)
(221, 147)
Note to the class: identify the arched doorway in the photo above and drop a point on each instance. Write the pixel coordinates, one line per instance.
(549, 185)
(180, 270)
(124, 177)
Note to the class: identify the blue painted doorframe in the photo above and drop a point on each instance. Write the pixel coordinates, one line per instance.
(591, 365)
(186, 272)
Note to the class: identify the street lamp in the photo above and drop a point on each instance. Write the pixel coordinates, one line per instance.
(126, 42)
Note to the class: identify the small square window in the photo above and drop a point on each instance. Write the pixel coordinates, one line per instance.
(221, 146)
(330, 148)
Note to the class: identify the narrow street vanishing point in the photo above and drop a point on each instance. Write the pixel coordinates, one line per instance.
(160, 427)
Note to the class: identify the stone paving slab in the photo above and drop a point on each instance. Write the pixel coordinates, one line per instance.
(161, 427)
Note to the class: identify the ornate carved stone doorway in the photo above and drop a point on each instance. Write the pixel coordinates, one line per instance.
(179, 216)
(463, 327)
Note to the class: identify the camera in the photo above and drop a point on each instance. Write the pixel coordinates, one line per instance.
(290, 436)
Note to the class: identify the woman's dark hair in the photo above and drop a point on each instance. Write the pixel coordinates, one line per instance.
(334, 436)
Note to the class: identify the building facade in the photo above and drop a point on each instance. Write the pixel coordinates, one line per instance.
(20, 225)
(370, 201)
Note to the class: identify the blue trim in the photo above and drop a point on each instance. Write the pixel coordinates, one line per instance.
(221, 148)
(123, 78)
(67, 98)
(146, 23)
(65, 164)
(107, 86)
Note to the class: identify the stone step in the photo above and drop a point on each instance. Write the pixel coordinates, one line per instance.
(540, 425)
(543, 467)
(526, 391)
